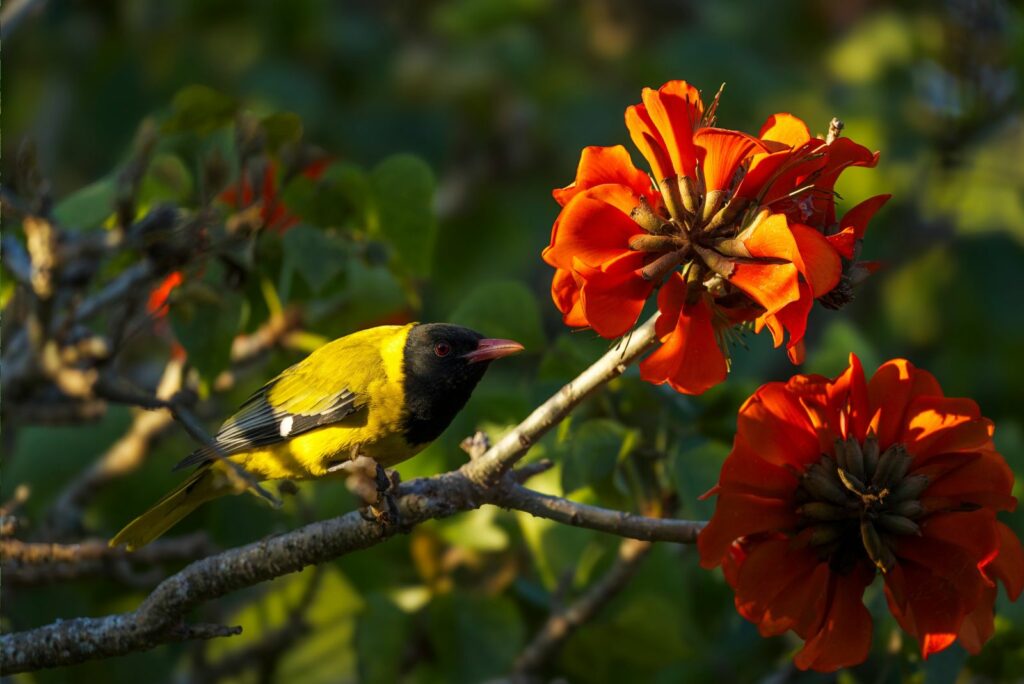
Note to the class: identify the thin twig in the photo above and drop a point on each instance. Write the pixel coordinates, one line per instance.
(115, 392)
(14, 12)
(124, 456)
(563, 622)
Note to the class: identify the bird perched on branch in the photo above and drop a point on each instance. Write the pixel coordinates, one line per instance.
(383, 393)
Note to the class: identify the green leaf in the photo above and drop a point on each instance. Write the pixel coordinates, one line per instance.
(403, 187)
(503, 308)
(324, 202)
(476, 638)
(594, 449)
(477, 530)
(317, 256)
(570, 355)
(166, 180)
(281, 128)
(205, 318)
(89, 206)
(555, 549)
(382, 628)
(352, 183)
(200, 109)
(326, 652)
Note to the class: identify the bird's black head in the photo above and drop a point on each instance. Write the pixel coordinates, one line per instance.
(442, 365)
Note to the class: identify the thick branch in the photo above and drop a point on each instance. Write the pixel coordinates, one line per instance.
(73, 641)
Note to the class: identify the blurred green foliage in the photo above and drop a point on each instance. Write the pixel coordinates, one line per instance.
(446, 125)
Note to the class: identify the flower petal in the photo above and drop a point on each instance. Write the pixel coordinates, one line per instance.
(785, 128)
(778, 423)
(689, 358)
(1008, 566)
(612, 299)
(724, 151)
(780, 588)
(675, 111)
(604, 165)
(978, 626)
(941, 580)
(845, 635)
(566, 295)
(938, 425)
(738, 515)
(890, 389)
(746, 471)
(980, 478)
(819, 262)
(773, 285)
(859, 217)
(593, 227)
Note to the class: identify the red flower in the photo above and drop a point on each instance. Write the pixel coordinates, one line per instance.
(832, 482)
(273, 212)
(156, 305)
(734, 229)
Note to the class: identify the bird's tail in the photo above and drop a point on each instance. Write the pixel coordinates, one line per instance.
(206, 484)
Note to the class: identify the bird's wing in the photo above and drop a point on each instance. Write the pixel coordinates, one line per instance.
(269, 416)
(328, 385)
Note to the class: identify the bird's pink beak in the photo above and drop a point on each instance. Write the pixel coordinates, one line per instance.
(489, 349)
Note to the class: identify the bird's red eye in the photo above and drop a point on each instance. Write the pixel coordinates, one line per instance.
(442, 349)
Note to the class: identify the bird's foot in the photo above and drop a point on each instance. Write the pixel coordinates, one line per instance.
(384, 510)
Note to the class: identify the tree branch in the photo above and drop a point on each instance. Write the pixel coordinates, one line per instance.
(34, 563)
(620, 523)
(489, 467)
(76, 640)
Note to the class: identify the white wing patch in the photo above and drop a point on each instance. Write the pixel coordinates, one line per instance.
(286, 426)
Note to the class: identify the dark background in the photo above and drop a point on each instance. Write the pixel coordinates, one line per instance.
(497, 98)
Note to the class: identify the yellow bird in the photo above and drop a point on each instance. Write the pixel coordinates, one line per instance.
(385, 393)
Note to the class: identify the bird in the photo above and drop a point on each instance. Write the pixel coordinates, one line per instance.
(384, 393)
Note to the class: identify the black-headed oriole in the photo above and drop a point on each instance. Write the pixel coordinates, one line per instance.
(385, 393)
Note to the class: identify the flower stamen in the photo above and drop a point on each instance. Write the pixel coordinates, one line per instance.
(865, 498)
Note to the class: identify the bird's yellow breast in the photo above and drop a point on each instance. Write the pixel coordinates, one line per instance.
(370, 364)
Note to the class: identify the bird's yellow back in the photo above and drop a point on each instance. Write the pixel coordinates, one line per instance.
(368, 364)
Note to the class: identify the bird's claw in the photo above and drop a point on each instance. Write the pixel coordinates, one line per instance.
(384, 511)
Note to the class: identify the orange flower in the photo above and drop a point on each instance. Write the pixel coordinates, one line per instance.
(831, 482)
(596, 279)
(156, 305)
(722, 229)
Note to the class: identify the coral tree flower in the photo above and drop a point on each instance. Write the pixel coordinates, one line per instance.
(831, 483)
(734, 229)
(273, 212)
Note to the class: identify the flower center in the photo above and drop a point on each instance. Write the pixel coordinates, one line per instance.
(859, 503)
(678, 237)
